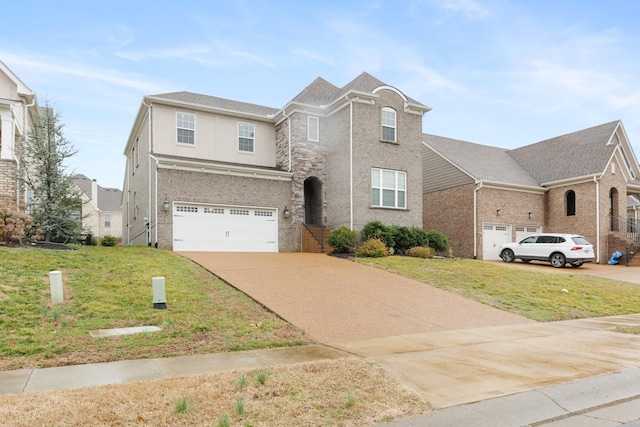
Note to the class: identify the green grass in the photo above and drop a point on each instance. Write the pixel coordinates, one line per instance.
(110, 287)
(533, 294)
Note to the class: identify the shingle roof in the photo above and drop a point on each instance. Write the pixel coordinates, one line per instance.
(482, 162)
(220, 103)
(320, 92)
(109, 199)
(572, 155)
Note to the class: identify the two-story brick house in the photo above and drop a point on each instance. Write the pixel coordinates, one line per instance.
(212, 174)
(482, 196)
(18, 104)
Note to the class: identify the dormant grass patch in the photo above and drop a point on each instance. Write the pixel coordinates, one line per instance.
(346, 392)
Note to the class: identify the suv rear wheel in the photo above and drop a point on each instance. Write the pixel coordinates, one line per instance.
(558, 260)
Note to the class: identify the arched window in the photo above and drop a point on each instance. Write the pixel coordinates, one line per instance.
(388, 124)
(571, 202)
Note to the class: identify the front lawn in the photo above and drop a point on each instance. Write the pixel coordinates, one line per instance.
(537, 295)
(110, 287)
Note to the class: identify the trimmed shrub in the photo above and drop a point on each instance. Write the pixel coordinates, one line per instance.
(377, 230)
(108, 241)
(437, 241)
(372, 248)
(420, 252)
(342, 239)
(419, 237)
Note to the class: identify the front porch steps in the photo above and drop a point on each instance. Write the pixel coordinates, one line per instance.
(314, 239)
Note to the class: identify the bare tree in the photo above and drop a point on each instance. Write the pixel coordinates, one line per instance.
(56, 201)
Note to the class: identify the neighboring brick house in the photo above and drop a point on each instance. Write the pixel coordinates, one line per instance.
(482, 196)
(211, 174)
(18, 104)
(101, 208)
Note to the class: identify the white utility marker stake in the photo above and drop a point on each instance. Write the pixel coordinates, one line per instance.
(159, 299)
(55, 283)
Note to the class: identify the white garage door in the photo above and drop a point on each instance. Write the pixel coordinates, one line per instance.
(204, 228)
(494, 235)
(522, 232)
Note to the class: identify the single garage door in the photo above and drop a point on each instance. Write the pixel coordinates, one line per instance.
(494, 235)
(209, 228)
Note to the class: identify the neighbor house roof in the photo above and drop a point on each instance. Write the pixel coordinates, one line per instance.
(481, 162)
(574, 155)
(577, 154)
(109, 199)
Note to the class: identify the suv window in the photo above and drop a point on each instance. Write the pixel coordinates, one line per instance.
(546, 239)
(530, 239)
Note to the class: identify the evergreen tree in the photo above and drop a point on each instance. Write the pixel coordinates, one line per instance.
(56, 203)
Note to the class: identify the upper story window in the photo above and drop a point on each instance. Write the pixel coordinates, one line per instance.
(186, 124)
(313, 128)
(571, 202)
(246, 137)
(388, 188)
(388, 124)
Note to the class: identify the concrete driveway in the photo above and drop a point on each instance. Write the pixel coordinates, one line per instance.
(336, 300)
(452, 350)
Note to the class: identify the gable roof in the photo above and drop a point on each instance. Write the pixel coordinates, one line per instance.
(196, 99)
(580, 154)
(21, 88)
(480, 162)
(555, 159)
(109, 199)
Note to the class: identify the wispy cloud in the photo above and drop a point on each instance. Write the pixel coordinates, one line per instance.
(219, 54)
(57, 66)
(312, 57)
(469, 8)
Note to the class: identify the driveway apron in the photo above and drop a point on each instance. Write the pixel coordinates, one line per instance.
(335, 300)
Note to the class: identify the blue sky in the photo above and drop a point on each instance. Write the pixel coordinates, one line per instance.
(495, 72)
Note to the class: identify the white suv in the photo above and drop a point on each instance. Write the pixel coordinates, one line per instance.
(558, 249)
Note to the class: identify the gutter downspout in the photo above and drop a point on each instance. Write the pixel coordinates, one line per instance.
(147, 225)
(595, 179)
(475, 220)
(156, 198)
(350, 162)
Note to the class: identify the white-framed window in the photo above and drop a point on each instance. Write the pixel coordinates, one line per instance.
(136, 148)
(246, 137)
(186, 127)
(388, 188)
(313, 128)
(107, 220)
(388, 124)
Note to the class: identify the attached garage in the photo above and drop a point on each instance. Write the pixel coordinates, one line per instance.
(212, 228)
(494, 235)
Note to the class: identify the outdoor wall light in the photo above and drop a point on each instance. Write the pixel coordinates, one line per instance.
(530, 215)
(286, 212)
(498, 212)
(165, 205)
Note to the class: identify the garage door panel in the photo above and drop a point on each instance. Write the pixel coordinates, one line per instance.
(494, 235)
(224, 229)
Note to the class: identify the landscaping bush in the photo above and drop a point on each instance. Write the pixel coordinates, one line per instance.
(437, 241)
(108, 241)
(15, 226)
(377, 230)
(342, 239)
(372, 248)
(420, 252)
